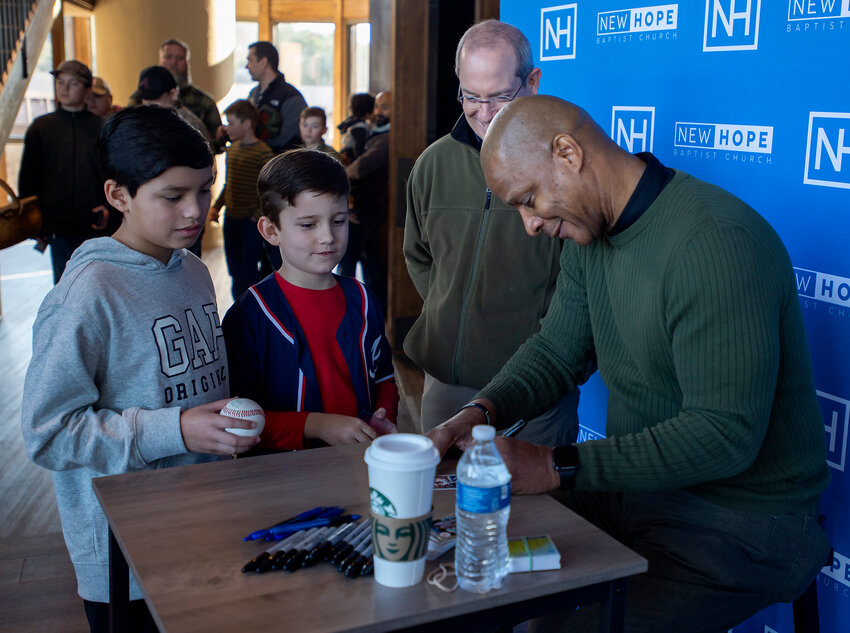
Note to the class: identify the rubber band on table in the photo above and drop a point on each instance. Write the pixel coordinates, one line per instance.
(437, 576)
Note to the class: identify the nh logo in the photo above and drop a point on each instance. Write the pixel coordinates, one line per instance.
(828, 150)
(836, 418)
(558, 32)
(632, 127)
(731, 25)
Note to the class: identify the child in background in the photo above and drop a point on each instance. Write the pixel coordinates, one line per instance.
(245, 157)
(128, 369)
(313, 125)
(306, 344)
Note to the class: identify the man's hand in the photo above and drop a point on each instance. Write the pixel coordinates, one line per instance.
(334, 429)
(203, 430)
(102, 214)
(530, 466)
(457, 430)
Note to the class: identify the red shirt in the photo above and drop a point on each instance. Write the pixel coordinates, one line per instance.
(320, 313)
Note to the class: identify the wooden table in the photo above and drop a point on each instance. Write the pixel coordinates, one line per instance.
(181, 529)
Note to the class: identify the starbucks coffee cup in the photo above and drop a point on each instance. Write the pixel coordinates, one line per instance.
(401, 484)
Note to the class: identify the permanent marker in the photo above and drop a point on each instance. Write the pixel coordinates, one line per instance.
(321, 549)
(278, 555)
(357, 557)
(294, 562)
(344, 547)
(368, 567)
(363, 540)
(256, 562)
(280, 558)
(356, 569)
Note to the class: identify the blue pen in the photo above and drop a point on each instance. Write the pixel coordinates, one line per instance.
(284, 530)
(313, 513)
(329, 513)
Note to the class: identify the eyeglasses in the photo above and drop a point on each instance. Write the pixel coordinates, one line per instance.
(494, 102)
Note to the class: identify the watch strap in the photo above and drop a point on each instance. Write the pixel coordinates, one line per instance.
(565, 463)
(480, 407)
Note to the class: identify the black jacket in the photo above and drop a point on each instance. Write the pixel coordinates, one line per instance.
(59, 165)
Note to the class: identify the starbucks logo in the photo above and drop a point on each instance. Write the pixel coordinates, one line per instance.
(400, 540)
(380, 504)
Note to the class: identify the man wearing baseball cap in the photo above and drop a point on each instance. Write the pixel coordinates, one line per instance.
(99, 99)
(174, 56)
(60, 166)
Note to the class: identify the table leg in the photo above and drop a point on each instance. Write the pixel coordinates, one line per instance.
(119, 587)
(612, 610)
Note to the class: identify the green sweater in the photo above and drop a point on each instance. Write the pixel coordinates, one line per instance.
(693, 317)
(485, 284)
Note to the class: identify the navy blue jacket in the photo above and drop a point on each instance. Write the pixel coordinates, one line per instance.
(270, 361)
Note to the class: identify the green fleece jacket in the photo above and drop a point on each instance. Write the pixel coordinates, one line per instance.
(693, 316)
(484, 282)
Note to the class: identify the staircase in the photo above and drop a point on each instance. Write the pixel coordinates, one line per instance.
(24, 25)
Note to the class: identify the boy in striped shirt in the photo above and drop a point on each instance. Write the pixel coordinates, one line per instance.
(246, 260)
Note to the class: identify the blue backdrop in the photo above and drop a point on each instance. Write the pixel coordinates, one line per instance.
(753, 95)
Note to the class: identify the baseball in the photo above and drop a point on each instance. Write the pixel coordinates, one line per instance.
(244, 409)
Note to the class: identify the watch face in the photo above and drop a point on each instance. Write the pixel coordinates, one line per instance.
(565, 458)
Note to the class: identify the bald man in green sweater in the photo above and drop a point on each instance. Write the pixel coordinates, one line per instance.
(685, 297)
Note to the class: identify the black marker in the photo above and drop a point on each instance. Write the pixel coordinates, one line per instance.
(353, 570)
(273, 562)
(369, 567)
(322, 549)
(295, 561)
(256, 562)
(359, 545)
(278, 562)
(344, 547)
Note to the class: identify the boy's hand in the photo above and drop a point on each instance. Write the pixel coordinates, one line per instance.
(381, 424)
(338, 429)
(213, 215)
(203, 430)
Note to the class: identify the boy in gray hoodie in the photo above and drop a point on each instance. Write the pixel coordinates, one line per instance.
(129, 369)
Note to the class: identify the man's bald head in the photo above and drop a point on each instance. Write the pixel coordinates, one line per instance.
(527, 128)
(551, 161)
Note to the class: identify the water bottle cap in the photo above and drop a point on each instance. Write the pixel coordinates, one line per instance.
(483, 433)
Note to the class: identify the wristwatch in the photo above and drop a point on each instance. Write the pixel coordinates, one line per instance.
(480, 407)
(565, 463)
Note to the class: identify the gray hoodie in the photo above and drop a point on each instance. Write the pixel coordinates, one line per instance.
(121, 346)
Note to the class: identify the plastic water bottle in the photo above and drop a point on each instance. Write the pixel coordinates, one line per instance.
(482, 509)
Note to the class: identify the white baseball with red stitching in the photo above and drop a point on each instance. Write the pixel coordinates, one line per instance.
(244, 409)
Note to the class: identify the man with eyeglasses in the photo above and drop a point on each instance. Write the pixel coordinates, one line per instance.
(484, 283)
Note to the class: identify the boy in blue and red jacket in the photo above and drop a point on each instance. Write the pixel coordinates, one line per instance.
(306, 344)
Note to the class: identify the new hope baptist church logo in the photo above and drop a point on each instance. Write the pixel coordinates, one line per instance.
(643, 24)
(817, 15)
(558, 32)
(633, 127)
(750, 144)
(731, 25)
(823, 293)
(828, 150)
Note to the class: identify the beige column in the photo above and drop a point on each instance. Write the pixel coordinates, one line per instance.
(128, 33)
